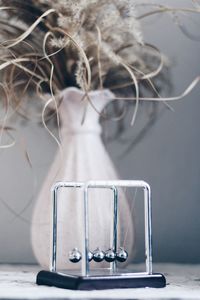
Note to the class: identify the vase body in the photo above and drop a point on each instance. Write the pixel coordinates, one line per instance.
(83, 158)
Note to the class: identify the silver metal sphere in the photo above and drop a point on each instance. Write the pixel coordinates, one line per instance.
(110, 255)
(121, 255)
(75, 255)
(98, 255)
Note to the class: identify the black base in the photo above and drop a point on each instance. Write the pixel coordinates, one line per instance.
(73, 282)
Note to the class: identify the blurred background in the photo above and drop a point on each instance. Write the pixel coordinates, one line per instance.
(167, 157)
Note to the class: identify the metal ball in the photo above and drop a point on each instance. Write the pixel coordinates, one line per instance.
(98, 255)
(110, 255)
(121, 255)
(75, 255)
(90, 255)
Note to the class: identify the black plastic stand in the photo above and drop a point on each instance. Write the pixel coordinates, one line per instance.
(75, 282)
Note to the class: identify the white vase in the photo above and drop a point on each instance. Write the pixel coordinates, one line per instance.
(84, 158)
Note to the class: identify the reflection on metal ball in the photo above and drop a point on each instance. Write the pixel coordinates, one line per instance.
(110, 255)
(122, 255)
(98, 255)
(75, 255)
(90, 255)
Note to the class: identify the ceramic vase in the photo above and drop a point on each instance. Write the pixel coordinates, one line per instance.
(83, 158)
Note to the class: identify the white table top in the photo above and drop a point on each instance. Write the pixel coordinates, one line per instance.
(18, 282)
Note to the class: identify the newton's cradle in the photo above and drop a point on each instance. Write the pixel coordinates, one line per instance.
(112, 277)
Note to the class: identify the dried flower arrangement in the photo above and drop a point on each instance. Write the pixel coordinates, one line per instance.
(48, 45)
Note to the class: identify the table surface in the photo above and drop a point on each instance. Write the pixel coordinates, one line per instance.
(18, 282)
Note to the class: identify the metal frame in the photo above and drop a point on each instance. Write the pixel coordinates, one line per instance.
(54, 193)
(113, 185)
(85, 240)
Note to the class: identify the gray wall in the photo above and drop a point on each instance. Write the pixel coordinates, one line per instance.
(168, 158)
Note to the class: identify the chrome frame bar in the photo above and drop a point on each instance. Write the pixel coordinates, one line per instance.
(85, 240)
(53, 242)
(147, 218)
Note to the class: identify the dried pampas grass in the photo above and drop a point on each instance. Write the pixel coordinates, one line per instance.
(46, 46)
(83, 39)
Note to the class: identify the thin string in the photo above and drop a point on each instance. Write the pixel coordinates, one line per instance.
(130, 222)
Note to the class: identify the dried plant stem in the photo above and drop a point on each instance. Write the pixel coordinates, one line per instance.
(98, 58)
(82, 53)
(16, 41)
(188, 90)
(165, 9)
(136, 91)
(52, 99)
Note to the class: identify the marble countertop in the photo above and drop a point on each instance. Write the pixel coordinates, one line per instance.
(18, 282)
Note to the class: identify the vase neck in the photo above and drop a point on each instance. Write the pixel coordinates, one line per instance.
(76, 106)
